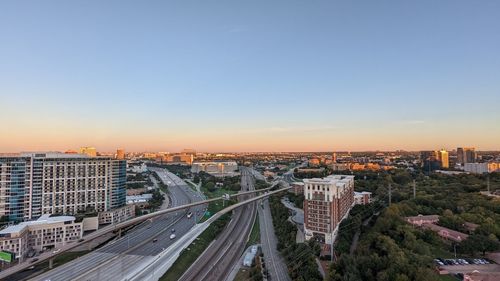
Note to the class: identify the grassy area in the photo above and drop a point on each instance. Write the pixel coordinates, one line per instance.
(242, 275)
(255, 234)
(214, 207)
(216, 193)
(193, 251)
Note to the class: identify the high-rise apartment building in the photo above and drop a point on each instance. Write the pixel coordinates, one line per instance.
(466, 155)
(327, 202)
(89, 151)
(33, 184)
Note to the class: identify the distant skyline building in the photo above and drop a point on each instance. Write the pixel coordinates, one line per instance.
(482, 168)
(434, 159)
(34, 184)
(120, 154)
(443, 158)
(89, 151)
(466, 155)
(327, 202)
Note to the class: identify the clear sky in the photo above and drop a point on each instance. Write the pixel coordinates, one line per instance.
(249, 75)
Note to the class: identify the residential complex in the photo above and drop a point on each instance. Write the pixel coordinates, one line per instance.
(34, 184)
(327, 202)
(44, 233)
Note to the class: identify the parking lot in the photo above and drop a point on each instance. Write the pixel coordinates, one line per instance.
(455, 266)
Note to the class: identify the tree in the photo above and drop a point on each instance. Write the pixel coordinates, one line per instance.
(481, 243)
(210, 186)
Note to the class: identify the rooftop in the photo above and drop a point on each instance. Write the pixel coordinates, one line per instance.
(44, 219)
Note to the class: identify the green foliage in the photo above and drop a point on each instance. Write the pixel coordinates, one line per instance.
(297, 200)
(480, 243)
(261, 184)
(157, 200)
(395, 250)
(300, 258)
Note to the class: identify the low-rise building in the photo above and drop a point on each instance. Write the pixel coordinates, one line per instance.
(482, 168)
(298, 188)
(362, 198)
(143, 198)
(44, 233)
(117, 215)
(446, 233)
(420, 219)
(216, 168)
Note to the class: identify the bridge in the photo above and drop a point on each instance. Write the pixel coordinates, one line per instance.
(119, 226)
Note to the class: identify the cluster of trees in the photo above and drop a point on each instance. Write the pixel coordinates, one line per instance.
(300, 258)
(182, 171)
(261, 184)
(297, 200)
(353, 224)
(139, 180)
(157, 200)
(390, 250)
(300, 174)
(210, 182)
(394, 250)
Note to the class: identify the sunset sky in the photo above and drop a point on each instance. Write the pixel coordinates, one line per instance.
(249, 75)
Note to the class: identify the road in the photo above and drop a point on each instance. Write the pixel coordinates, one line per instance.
(136, 249)
(276, 266)
(222, 255)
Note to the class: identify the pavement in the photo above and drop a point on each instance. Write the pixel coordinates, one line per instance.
(218, 260)
(136, 249)
(276, 266)
(298, 214)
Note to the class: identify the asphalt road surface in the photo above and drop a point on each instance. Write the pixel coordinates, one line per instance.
(275, 264)
(220, 257)
(137, 248)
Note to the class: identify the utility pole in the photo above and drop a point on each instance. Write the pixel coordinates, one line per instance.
(414, 189)
(390, 194)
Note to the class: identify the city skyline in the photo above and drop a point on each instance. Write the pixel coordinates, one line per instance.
(226, 76)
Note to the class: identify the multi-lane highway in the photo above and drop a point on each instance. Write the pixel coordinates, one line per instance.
(276, 266)
(220, 257)
(138, 248)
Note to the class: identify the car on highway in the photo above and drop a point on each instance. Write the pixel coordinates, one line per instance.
(173, 230)
(172, 236)
(56, 251)
(189, 215)
(155, 240)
